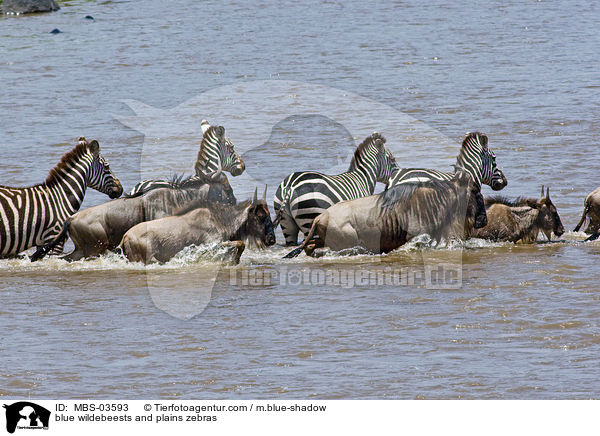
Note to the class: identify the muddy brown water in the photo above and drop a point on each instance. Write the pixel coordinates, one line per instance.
(523, 321)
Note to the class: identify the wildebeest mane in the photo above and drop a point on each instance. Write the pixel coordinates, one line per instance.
(222, 213)
(517, 202)
(401, 193)
(177, 182)
(407, 209)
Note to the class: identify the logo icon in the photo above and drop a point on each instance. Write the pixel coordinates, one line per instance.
(26, 415)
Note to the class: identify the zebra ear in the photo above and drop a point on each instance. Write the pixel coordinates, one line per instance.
(484, 140)
(94, 147)
(204, 125)
(379, 144)
(221, 131)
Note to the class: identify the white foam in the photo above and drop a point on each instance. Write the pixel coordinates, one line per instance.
(207, 255)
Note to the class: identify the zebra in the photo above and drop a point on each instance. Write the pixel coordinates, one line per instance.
(34, 215)
(216, 155)
(302, 196)
(475, 158)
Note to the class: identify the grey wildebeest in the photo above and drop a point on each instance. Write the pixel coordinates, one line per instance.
(200, 222)
(33, 216)
(381, 223)
(520, 220)
(100, 228)
(591, 212)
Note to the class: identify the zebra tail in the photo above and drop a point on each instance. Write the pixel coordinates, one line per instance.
(586, 209)
(43, 250)
(296, 251)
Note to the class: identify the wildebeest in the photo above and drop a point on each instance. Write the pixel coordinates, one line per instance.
(303, 195)
(384, 222)
(100, 228)
(200, 222)
(34, 215)
(591, 212)
(520, 220)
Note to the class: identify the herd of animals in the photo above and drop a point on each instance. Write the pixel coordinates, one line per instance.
(159, 218)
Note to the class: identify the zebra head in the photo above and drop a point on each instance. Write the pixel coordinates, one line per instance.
(100, 176)
(386, 165)
(217, 152)
(373, 154)
(480, 161)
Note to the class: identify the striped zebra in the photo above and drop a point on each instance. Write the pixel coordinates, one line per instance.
(216, 154)
(302, 196)
(34, 216)
(475, 158)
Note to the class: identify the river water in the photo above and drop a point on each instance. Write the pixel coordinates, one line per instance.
(297, 86)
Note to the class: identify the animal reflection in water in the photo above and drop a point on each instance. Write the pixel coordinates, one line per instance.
(382, 223)
(201, 222)
(520, 220)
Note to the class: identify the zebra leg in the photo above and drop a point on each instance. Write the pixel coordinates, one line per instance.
(290, 229)
(57, 249)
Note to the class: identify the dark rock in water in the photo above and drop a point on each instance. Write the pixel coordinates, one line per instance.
(89, 17)
(56, 31)
(27, 6)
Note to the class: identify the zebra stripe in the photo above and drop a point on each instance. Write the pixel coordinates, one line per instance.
(475, 158)
(302, 196)
(216, 154)
(34, 215)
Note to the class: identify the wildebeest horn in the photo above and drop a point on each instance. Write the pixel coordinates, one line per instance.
(548, 193)
(255, 195)
(265, 194)
(542, 194)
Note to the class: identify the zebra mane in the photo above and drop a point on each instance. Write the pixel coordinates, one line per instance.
(79, 150)
(363, 145)
(518, 202)
(475, 138)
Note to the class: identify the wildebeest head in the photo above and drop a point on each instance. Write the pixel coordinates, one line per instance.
(549, 219)
(259, 227)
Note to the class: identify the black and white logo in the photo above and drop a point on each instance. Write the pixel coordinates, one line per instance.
(26, 415)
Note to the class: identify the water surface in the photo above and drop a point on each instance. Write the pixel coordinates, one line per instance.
(524, 322)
